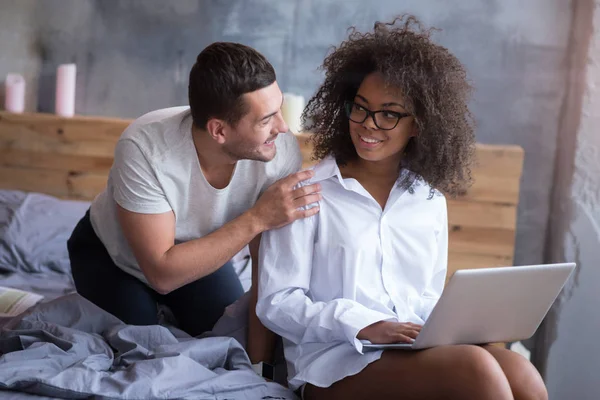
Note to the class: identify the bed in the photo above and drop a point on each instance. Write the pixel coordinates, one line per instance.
(66, 347)
(50, 170)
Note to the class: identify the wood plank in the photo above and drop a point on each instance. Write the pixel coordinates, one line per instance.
(458, 260)
(62, 184)
(47, 160)
(493, 189)
(53, 183)
(70, 129)
(499, 160)
(481, 214)
(481, 241)
(31, 140)
(47, 133)
(496, 174)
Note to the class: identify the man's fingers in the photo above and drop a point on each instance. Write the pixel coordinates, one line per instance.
(306, 200)
(306, 190)
(298, 177)
(307, 213)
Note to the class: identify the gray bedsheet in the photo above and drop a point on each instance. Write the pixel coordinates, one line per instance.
(34, 229)
(69, 348)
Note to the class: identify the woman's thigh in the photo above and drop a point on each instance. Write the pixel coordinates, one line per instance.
(462, 372)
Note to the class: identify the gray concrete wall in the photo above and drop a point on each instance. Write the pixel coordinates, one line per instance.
(134, 56)
(18, 52)
(567, 349)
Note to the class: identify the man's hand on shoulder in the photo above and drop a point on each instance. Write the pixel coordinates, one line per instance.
(282, 202)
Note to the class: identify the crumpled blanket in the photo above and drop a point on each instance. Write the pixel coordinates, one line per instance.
(70, 348)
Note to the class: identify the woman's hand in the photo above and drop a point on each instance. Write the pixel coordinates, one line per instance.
(387, 332)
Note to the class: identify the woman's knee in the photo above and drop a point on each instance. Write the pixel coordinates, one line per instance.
(525, 380)
(479, 375)
(530, 386)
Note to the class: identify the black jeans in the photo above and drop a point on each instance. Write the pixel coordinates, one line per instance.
(197, 306)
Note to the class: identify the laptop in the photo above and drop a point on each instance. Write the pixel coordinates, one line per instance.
(488, 305)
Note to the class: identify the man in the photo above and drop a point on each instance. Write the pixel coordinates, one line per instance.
(190, 188)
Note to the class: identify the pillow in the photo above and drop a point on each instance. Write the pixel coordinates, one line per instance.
(34, 229)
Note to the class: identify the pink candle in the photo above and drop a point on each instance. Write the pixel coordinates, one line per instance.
(14, 100)
(65, 90)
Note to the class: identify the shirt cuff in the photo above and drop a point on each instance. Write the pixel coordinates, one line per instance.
(356, 319)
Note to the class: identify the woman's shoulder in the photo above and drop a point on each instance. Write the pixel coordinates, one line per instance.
(422, 191)
(323, 170)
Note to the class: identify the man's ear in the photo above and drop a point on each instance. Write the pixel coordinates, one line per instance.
(216, 129)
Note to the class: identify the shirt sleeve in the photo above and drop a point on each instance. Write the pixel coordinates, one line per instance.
(285, 260)
(135, 186)
(440, 267)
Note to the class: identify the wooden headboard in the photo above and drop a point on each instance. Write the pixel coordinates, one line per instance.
(70, 158)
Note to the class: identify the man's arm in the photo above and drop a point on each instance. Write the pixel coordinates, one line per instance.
(168, 266)
(260, 341)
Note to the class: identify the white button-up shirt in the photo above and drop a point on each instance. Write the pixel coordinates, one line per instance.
(326, 277)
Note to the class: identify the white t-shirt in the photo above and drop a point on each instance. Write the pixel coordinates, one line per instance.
(156, 169)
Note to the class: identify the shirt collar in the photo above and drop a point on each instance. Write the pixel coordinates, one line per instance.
(328, 168)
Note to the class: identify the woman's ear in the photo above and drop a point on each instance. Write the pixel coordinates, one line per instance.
(414, 129)
(216, 129)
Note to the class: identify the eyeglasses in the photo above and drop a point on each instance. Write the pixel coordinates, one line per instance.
(384, 119)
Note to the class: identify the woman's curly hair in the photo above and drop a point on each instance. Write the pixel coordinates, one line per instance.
(434, 85)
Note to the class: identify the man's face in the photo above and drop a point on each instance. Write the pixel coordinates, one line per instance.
(254, 135)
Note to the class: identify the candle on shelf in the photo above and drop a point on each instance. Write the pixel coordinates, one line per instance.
(292, 108)
(65, 90)
(14, 100)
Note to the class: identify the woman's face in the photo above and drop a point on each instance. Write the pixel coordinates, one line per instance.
(372, 141)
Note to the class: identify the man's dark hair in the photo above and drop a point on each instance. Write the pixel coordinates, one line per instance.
(223, 72)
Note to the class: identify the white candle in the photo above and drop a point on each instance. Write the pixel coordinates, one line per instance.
(14, 99)
(292, 108)
(65, 90)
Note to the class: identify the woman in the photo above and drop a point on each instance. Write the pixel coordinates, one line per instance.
(393, 131)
